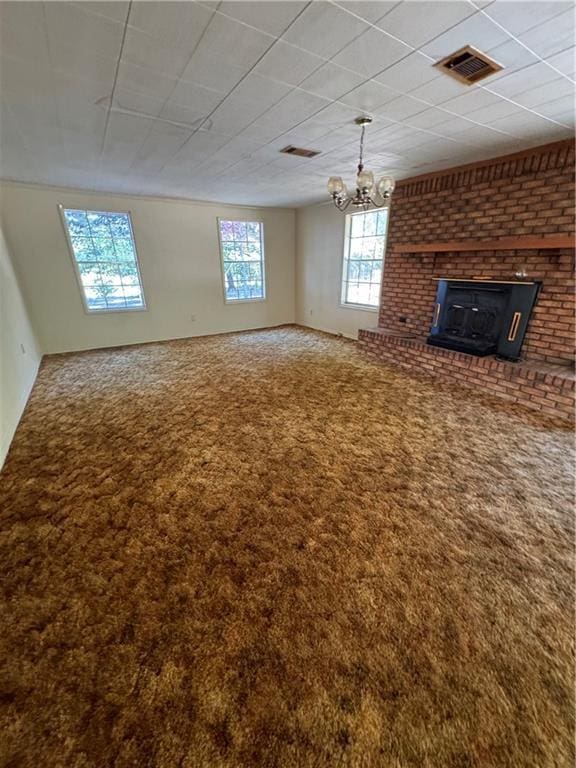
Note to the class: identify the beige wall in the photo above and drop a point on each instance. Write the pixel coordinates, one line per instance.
(319, 251)
(19, 352)
(177, 243)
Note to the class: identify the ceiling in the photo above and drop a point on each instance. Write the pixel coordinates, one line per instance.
(195, 99)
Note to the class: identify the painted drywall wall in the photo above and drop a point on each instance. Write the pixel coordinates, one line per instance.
(177, 244)
(319, 252)
(19, 351)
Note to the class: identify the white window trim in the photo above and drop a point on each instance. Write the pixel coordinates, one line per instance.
(107, 311)
(349, 304)
(232, 302)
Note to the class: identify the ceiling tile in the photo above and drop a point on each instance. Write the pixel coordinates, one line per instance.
(464, 130)
(369, 96)
(331, 81)
(429, 118)
(521, 15)
(213, 72)
(412, 71)
(324, 29)
(82, 149)
(124, 136)
(511, 56)
(295, 108)
(288, 64)
(23, 75)
(183, 115)
(117, 10)
(195, 97)
(233, 115)
(537, 75)
(90, 66)
(258, 133)
(472, 100)
(171, 23)
(555, 89)
(418, 22)
(79, 104)
(198, 147)
(69, 25)
(260, 92)
(337, 114)
(369, 10)
(221, 39)
(477, 31)
(23, 31)
(161, 144)
(145, 51)
(553, 37)
(38, 124)
(132, 101)
(401, 108)
(371, 53)
(439, 90)
(486, 115)
(145, 81)
(565, 62)
(561, 109)
(269, 16)
(530, 126)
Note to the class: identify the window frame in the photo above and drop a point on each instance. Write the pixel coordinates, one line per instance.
(232, 302)
(93, 312)
(345, 258)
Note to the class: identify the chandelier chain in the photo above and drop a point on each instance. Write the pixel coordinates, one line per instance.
(361, 160)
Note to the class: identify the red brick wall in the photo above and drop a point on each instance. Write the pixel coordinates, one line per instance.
(514, 196)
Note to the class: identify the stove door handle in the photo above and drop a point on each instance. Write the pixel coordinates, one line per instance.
(513, 330)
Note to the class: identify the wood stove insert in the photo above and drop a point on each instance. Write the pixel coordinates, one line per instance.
(482, 317)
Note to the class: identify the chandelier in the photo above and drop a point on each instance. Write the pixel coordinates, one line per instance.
(368, 194)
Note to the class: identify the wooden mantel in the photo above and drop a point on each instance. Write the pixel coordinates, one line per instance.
(502, 244)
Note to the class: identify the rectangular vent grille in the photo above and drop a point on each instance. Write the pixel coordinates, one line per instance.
(468, 65)
(299, 152)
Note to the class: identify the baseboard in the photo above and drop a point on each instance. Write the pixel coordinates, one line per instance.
(126, 344)
(6, 439)
(331, 331)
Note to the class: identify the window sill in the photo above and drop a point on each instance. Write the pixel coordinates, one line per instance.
(93, 312)
(361, 307)
(231, 302)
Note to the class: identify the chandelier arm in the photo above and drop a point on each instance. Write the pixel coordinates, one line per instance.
(341, 205)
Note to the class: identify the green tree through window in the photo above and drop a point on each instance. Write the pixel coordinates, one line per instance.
(241, 244)
(103, 247)
(364, 258)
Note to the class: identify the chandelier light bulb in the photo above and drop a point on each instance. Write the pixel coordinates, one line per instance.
(386, 186)
(336, 185)
(365, 180)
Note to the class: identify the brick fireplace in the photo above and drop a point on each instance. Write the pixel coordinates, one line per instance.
(506, 219)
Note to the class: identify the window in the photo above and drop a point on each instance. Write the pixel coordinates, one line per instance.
(242, 247)
(364, 258)
(104, 253)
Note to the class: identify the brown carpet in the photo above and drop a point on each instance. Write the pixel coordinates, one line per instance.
(263, 549)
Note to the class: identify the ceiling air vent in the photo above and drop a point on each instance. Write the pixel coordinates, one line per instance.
(468, 65)
(299, 152)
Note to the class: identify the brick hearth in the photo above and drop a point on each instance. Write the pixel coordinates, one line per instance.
(526, 195)
(545, 387)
